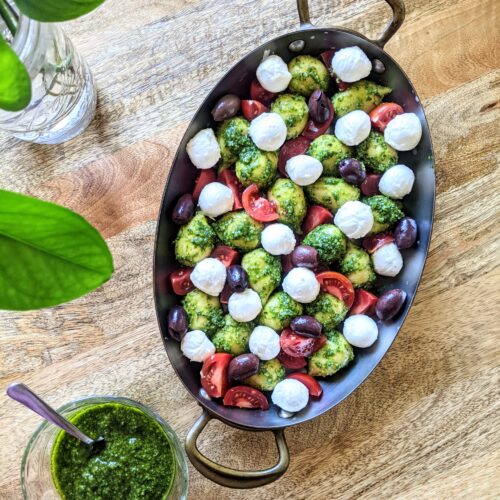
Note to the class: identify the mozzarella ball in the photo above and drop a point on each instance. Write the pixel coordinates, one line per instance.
(290, 395)
(303, 169)
(244, 306)
(278, 239)
(354, 219)
(196, 346)
(203, 149)
(264, 342)
(360, 330)
(268, 131)
(351, 64)
(301, 284)
(209, 276)
(352, 129)
(397, 182)
(387, 260)
(403, 132)
(216, 199)
(273, 74)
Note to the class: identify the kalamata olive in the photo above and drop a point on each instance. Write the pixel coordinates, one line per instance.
(243, 366)
(405, 233)
(177, 322)
(184, 209)
(305, 256)
(369, 187)
(237, 278)
(378, 66)
(227, 107)
(306, 326)
(352, 171)
(389, 303)
(319, 110)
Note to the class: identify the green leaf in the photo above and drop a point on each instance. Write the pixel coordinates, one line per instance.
(15, 83)
(51, 11)
(48, 254)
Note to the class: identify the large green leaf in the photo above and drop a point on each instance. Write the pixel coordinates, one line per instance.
(51, 11)
(48, 254)
(15, 83)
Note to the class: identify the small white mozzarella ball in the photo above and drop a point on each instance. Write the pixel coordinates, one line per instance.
(203, 149)
(264, 342)
(268, 131)
(290, 395)
(303, 169)
(351, 64)
(244, 306)
(403, 132)
(360, 330)
(209, 276)
(196, 346)
(352, 129)
(273, 74)
(397, 182)
(216, 199)
(354, 219)
(278, 239)
(301, 284)
(387, 260)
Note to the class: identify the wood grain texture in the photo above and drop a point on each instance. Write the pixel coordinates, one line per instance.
(426, 424)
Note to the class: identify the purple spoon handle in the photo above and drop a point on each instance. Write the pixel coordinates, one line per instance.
(24, 395)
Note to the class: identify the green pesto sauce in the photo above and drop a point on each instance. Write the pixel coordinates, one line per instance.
(137, 462)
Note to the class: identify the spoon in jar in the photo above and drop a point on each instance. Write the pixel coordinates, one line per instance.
(24, 395)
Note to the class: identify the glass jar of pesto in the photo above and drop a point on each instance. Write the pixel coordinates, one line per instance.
(142, 459)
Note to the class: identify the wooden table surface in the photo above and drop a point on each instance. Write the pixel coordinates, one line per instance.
(426, 423)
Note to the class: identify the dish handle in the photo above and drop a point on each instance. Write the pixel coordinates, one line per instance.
(398, 16)
(233, 478)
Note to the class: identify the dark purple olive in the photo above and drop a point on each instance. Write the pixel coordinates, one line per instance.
(306, 326)
(378, 66)
(237, 278)
(243, 366)
(184, 209)
(405, 233)
(177, 322)
(390, 303)
(305, 256)
(319, 108)
(227, 107)
(352, 171)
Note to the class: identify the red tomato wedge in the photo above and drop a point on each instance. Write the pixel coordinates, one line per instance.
(315, 389)
(369, 187)
(204, 177)
(228, 177)
(374, 242)
(227, 255)
(338, 285)
(259, 93)
(291, 362)
(297, 346)
(364, 302)
(214, 374)
(314, 129)
(252, 109)
(258, 207)
(181, 283)
(245, 397)
(316, 215)
(294, 147)
(383, 114)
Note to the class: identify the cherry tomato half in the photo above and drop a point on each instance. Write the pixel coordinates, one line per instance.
(338, 285)
(297, 346)
(315, 389)
(258, 207)
(181, 283)
(369, 187)
(375, 241)
(252, 109)
(364, 302)
(383, 114)
(294, 147)
(259, 93)
(205, 177)
(291, 362)
(227, 255)
(228, 177)
(316, 215)
(245, 397)
(314, 129)
(214, 374)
